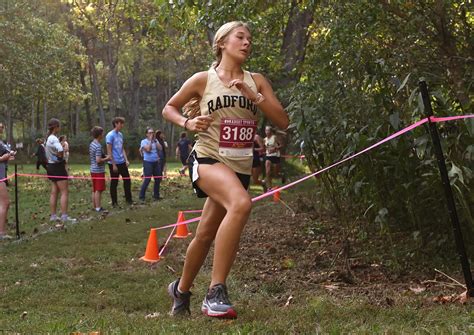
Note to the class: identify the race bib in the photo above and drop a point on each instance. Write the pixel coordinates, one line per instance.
(236, 137)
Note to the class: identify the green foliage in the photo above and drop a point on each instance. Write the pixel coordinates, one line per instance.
(359, 86)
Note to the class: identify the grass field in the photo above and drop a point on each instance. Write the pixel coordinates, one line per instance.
(88, 277)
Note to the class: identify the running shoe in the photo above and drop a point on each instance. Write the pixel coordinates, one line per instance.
(217, 304)
(5, 237)
(67, 219)
(181, 301)
(54, 218)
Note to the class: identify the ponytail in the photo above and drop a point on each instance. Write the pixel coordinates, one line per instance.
(52, 124)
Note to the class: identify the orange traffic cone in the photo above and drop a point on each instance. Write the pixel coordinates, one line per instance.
(151, 253)
(276, 196)
(182, 229)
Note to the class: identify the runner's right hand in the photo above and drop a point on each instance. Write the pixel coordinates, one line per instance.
(199, 123)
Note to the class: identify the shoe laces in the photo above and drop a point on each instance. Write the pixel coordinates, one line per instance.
(219, 292)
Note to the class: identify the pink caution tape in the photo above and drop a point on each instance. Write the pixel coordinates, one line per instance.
(84, 177)
(267, 194)
(8, 177)
(450, 118)
(284, 187)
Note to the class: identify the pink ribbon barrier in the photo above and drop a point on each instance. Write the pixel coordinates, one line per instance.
(284, 187)
(450, 118)
(293, 156)
(167, 241)
(84, 177)
(8, 177)
(267, 194)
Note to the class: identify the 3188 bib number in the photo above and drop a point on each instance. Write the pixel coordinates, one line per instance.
(236, 137)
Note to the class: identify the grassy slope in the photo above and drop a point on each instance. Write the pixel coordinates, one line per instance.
(88, 277)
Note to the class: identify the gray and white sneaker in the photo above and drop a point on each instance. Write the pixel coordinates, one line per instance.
(181, 301)
(67, 219)
(217, 303)
(54, 218)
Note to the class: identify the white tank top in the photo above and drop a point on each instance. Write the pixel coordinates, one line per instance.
(229, 138)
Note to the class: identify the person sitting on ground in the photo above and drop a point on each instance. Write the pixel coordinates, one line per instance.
(57, 173)
(40, 154)
(5, 156)
(151, 165)
(97, 167)
(182, 152)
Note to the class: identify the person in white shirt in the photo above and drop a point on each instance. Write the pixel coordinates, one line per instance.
(57, 173)
(272, 156)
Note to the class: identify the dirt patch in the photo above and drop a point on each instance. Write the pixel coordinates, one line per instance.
(290, 248)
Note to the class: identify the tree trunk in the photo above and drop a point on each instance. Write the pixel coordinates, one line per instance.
(32, 126)
(112, 78)
(294, 41)
(451, 59)
(96, 90)
(45, 117)
(135, 94)
(82, 76)
(9, 126)
(76, 128)
(38, 112)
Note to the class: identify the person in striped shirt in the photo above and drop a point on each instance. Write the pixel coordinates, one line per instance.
(97, 159)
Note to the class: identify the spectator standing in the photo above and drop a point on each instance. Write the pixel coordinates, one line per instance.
(118, 165)
(183, 148)
(65, 145)
(272, 156)
(97, 168)
(160, 137)
(5, 156)
(57, 173)
(150, 147)
(40, 154)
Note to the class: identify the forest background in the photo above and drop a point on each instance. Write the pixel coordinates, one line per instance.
(346, 71)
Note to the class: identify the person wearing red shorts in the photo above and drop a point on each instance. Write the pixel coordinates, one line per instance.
(97, 159)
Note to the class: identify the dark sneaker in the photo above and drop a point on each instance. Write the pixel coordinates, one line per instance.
(217, 303)
(181, 301)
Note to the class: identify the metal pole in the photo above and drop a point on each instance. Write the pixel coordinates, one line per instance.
(17, 220)
(461, 249)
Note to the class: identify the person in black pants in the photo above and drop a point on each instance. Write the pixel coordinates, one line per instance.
(119, 163)
(183, 148)
(40, 154)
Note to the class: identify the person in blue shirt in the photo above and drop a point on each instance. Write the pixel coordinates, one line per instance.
(183, 148)
(150, 147)
(97, 167)
(118, 165)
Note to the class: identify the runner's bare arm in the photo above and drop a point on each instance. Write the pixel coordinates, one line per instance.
(192, 88)
(271, 107)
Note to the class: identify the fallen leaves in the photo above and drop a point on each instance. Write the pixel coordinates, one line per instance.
(417, 289)
(462, 298)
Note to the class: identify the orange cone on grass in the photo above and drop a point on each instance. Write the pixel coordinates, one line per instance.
(151, 254)
(182, 229)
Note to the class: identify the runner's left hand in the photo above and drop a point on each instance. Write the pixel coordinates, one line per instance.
(243, 88)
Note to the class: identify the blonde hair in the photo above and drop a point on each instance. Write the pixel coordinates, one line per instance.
(221, 34)
(191, 108)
